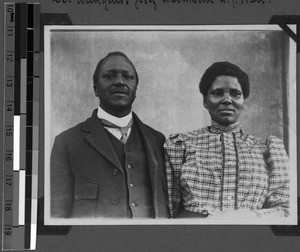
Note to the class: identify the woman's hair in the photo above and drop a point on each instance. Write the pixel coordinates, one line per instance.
(224, 68)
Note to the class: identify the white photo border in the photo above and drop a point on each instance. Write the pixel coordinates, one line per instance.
(291, 220)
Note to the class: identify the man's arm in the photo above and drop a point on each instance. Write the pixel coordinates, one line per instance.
(62, 181)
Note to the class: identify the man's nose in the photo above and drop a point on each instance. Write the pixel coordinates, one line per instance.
(119, 80)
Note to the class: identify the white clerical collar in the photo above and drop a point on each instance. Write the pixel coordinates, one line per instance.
(119, 121)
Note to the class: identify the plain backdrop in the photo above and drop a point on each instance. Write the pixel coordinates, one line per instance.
(170, 65)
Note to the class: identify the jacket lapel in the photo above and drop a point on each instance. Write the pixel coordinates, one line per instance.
(97, 137)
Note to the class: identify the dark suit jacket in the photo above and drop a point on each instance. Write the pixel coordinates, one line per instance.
(87, 179)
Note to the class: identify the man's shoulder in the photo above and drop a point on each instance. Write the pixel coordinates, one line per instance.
(153, 131)
(148, 129)
(78, 129)
(73, 131)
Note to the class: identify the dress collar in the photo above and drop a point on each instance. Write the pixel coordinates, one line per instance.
(220, 128)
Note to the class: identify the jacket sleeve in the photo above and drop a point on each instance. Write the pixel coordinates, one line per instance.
(174, 158)
(61, 181)
(277, 203)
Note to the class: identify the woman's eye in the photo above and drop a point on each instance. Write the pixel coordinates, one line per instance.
(217, 92)
(236, 93)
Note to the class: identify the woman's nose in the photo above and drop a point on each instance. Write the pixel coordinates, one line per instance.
(226, 98)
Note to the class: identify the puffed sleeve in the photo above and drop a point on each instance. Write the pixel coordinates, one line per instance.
(277, 203)
(62, 181)
(174, 158)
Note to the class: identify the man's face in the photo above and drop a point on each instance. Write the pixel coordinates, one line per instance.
(116, 86)
(225, 100)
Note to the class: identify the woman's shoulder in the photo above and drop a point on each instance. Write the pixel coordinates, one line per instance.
(267, 140)
(274, 150)
(266, 143)
(275, 146)
(187, 136)
(273, 140)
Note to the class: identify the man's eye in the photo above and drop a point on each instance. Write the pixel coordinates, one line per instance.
(129, 77)
(107, 76)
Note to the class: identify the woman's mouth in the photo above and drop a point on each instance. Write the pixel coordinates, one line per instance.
(226, 111)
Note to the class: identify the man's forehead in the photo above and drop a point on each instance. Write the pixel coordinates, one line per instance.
(114, 60)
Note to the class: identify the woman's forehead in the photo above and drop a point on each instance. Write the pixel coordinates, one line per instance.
(226, 82)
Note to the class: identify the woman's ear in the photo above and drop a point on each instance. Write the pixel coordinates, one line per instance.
(204, 102)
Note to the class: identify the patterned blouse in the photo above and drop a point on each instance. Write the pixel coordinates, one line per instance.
(221, 168)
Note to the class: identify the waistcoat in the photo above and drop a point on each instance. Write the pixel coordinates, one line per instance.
(133, 159)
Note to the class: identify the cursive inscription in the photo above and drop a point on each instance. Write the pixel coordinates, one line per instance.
(104, 3)
(137, 4)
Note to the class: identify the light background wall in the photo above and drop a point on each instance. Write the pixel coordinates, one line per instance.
(170, 65)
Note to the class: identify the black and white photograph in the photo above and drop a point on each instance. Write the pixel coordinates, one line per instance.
(170, 125)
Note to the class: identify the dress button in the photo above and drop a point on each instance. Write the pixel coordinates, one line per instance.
(129, 166)
(115, 201)
(205, 213)
(115, 172)
(133, 204)
(76, 196)
(131, 185)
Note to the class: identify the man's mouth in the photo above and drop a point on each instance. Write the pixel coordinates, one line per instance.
(120, 92)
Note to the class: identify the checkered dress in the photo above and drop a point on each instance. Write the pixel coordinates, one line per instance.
(220, 168)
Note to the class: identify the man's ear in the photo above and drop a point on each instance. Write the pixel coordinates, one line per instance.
(96, 90)
(205, 102)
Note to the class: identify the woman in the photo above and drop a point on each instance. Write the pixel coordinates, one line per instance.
(220, 171)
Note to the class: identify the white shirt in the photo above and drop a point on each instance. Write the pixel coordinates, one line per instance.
(119, 121)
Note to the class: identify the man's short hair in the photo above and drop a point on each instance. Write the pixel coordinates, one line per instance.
(224, 68)
(99, 65)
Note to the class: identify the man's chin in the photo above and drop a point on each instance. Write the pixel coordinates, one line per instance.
(121, 107)
(118, 109)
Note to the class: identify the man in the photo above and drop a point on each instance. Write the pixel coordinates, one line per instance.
(111, 165)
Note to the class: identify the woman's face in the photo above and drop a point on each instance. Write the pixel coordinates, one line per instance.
(225, 100)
